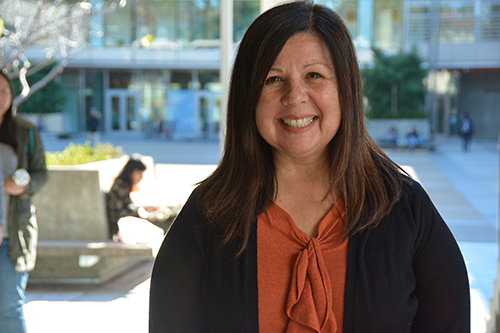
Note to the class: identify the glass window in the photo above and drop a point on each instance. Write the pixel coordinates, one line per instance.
(388, 24)
(174, 24)
(70, 80)
(456, 22)
(165, 27)
(348, 10)
(154, 92)
(180, 80)
(245, 12)
(489, 29)
(419, 22)
(94, 92)
(120, 80)
(209, 80)
(118, 26)
(197, 21)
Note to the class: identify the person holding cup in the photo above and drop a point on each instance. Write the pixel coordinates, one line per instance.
(25, 172)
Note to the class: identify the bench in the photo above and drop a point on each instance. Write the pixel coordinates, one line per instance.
(94, 248)
(74, 245)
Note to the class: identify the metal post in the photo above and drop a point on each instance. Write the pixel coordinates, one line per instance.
(226, 56)
(434, 65)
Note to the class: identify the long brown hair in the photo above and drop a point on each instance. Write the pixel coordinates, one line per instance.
(8, 129)
(126, 173)
(244, 183)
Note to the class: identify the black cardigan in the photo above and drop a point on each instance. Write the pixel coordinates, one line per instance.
(405, 275)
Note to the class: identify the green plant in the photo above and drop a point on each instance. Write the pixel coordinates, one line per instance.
(394, 86)
(81, 154)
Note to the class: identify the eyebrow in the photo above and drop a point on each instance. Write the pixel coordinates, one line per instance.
(305, 67)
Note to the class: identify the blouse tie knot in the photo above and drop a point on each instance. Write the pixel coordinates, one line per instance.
(309, 304)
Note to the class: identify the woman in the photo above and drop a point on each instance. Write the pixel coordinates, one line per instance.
(306, 225)
(20, 148)
(119, 203)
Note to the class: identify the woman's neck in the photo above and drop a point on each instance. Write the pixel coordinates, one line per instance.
(309, 178)
(301, 169)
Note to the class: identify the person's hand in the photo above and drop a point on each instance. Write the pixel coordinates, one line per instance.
(150, 208)
(11, 188)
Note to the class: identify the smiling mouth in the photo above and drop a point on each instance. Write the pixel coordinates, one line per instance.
(297, 123)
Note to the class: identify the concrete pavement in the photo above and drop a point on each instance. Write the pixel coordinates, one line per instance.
(464, 187)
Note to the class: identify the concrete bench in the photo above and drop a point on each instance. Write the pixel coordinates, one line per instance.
(74, 244)
(94, 248)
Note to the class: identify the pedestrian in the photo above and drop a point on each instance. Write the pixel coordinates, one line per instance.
(94, 126)
(412, 137)
(25, 172)
(306, 225)
(466, 128)
(392, 137)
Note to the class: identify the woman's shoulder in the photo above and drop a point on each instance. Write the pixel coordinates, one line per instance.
(412, 190)
(191, 212)
(413, 210)
(193, 203)
(118, 184)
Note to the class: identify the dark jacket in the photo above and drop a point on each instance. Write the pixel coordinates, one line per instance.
(405, 275)
(93, 123)
(23, 228)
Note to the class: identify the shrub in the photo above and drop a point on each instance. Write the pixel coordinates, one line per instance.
(81, 154)
(398, 77)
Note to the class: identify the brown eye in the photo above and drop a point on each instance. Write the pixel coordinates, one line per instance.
(314, 76)
(273, 79)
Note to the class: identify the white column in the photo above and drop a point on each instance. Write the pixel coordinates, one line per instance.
(266, 4)
(226, 56)
(365, 23)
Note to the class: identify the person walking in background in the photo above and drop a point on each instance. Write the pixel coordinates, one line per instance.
(306, 225)
(25, 172)
(94, 135)
(466, 129)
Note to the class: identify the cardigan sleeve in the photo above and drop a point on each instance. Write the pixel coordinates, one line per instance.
(176, 280)
(442, 286)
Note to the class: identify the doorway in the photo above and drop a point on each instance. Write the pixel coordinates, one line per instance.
(121, 112)
(208, 105)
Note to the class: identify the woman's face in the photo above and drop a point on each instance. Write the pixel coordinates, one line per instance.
(5, 96)
(136, 176)
(298, 112)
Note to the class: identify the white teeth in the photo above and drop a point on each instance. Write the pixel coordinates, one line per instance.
(298, 122)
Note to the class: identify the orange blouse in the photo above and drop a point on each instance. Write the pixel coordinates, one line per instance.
(301, 280)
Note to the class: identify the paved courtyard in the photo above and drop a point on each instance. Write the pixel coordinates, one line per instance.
(464, 187)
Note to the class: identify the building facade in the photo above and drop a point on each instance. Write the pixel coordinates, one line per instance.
(461, 41)
(156, 62)
(153, 66)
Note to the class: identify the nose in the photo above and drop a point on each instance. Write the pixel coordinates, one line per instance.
(294, 93)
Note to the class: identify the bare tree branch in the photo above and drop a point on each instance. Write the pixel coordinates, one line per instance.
(55, 29)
